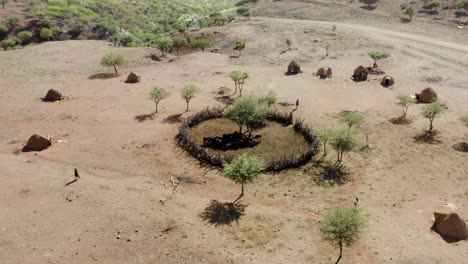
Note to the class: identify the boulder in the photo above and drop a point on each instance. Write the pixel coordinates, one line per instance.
(52, 96)
(133, 78)
(37, 143)
(450, 225)
(426, 96)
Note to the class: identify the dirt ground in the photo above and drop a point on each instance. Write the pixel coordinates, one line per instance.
(124, 208)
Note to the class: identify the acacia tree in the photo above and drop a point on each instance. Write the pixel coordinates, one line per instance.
(246, 112)
(352, 119)
(405, 101)
(342, 226)
(4, 2)
(431, 112)
(325, 136)
(188, 93)
(378, 55)
(239, 78)
(113, 59)
(239, 46)
(157, 95)
(244, 169)
(343, 141)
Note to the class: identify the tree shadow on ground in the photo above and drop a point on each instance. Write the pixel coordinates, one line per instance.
(459, 14)
(461, 147)
(428, 137)
(103, 76)
(400, 121)
(445, 238)
(405, 20)
(225, 99)
(144, 117)
(218, 213)
(172, 119)
(154, 57)
(330, 174)
(369, 8)
(376, 71)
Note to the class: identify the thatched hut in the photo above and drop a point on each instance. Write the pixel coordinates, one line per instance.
(37, 143)
(426, 96)
(133, 78)
(387, 81)
(360, 74)
(324, 72)
(52, 96)
(294, 68)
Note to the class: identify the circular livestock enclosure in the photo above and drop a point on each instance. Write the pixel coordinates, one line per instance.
(282, 143)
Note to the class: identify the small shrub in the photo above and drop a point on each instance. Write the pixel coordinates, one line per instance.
(243, 11)
(164, 44)
(201, 44)
(8, 43)
(25, 36)
(239, 46)
(13, 21)
(46, 34)
(3, 29)
(405, 101)
(464, 119)
(409, 11)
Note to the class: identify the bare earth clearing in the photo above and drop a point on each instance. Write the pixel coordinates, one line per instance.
(121, 211)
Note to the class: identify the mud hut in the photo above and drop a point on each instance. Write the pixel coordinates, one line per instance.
(426, 96)
(133, 78)
(37, 143)
(387, 81)
(451, 225)
(360, 74)
(324, 72)
(52, 96)
(294, 68)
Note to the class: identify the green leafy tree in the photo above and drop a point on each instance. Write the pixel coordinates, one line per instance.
(270, 99)
(13, 21)
(164, 44)
(409, 11)
(46, 33)
(343, 141)
(113, 59)
(201, 44)
(239, 79)
(189, 92)
(405, 101)
(378, 55)
(243, 11)
(431, 112)
(8, 43)
(239, 46)
(243, 170)
(247, 111)
(25, 36)
(157, 95)
(352, 119)
(4, 2)
(325, 136)
(342, 226)
(369, 3)
(462, 4)
(434, 4)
